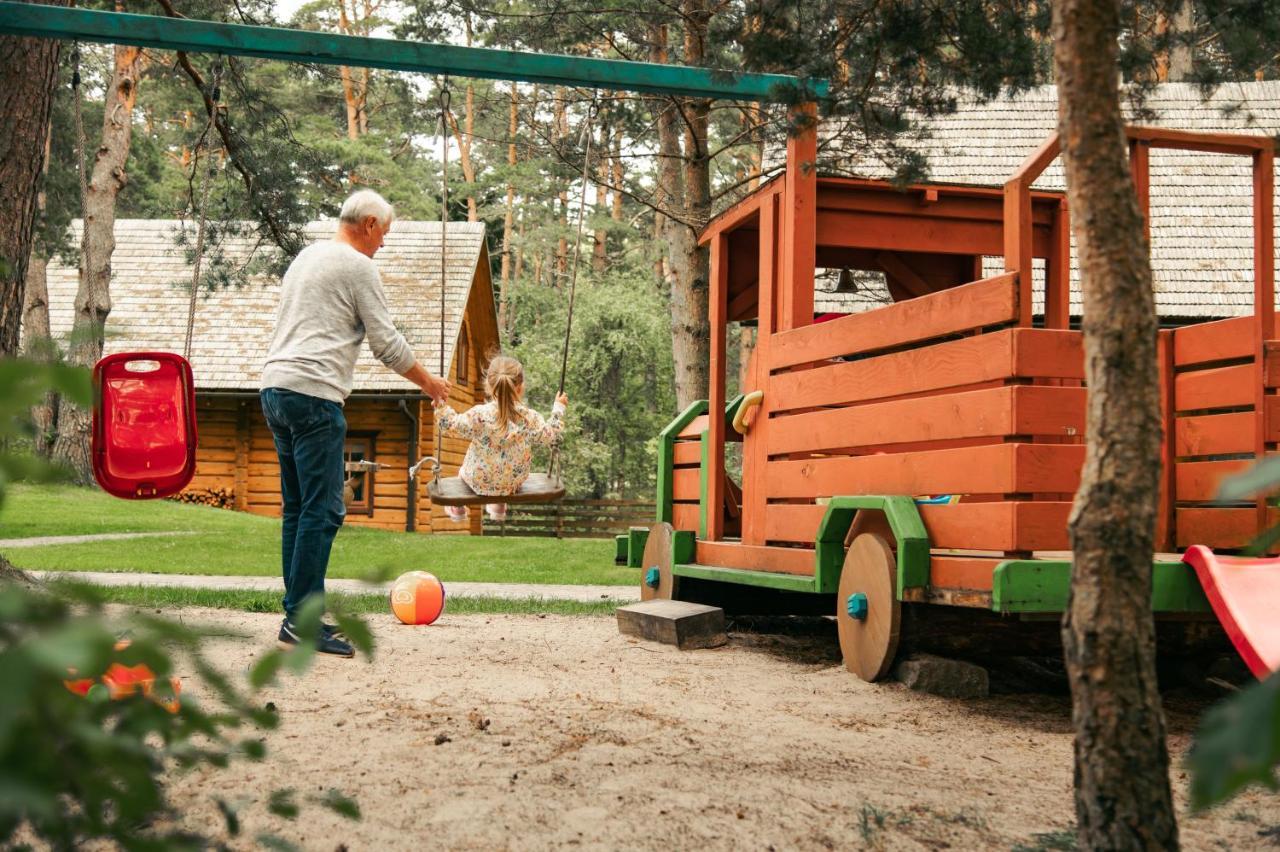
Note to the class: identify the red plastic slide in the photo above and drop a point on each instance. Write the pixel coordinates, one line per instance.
(1245, 595)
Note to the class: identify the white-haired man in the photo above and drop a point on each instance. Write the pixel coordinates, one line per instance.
(331, 298)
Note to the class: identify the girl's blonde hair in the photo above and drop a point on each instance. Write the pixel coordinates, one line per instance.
(501, 378)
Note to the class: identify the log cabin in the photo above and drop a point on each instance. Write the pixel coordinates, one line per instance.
(388, 419)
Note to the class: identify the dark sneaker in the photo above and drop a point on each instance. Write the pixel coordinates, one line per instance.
(331, 639)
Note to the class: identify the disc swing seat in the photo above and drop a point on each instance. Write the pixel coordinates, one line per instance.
(538, 487)
(143, 434)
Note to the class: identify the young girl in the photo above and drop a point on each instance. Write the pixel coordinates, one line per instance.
(502, 433)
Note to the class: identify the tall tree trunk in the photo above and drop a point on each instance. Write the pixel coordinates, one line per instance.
(28, 75)
(38, 342)
(689, 264)
(93, 297)
(1123, 799)
(348, 83)
(509, 214)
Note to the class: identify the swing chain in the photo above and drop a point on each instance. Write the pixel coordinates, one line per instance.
(215, 95)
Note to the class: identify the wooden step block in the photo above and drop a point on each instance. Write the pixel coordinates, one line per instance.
(686, 625)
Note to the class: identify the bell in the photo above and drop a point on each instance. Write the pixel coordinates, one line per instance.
(845, 283)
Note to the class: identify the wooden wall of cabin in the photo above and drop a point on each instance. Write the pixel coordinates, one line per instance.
(236, 452)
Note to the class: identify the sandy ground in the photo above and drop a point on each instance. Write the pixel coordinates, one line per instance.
(521, 732)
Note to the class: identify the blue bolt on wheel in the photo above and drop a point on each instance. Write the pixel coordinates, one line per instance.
(856, 606)
(652, 577)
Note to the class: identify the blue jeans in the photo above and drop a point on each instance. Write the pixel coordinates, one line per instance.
(310, 434)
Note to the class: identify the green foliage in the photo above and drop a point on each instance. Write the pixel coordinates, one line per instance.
(619, 380)
(23, 383)
(77, 769)
(1238, 744)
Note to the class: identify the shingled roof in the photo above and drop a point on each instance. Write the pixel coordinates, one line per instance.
(1201, 204)
(233, 327)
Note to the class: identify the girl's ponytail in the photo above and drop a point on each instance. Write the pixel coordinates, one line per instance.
(501, 378)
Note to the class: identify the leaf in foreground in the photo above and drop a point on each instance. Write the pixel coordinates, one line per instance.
(1238, 744)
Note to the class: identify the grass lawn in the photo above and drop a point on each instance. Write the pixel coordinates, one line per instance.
(225, 542)
(162, 598)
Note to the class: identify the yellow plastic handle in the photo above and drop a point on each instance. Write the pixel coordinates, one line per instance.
(749, 402)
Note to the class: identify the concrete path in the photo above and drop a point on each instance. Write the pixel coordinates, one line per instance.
(455, 589)
(47, 540)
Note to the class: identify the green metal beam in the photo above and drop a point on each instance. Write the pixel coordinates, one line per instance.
(27, 19)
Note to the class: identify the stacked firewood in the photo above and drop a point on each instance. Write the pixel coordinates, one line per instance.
(219, 498)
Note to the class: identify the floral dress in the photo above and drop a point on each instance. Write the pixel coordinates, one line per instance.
(501, 455)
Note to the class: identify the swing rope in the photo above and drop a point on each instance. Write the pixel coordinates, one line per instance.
(80, 139)
(445, 99)
(577, 258)
(215, 95)
(573, 276)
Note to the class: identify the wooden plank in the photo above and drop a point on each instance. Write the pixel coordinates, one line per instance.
(1264, 301)
(1057, 299)
(1164, 510)
(799, 220)
(970, 573)
(992, 413)
(981, 303)
(713, 465)
(1219, 387)
(1031, 353)
(754, 450)
(1198, 482)
(685, 484)
(1214, 434)
(1018, 234)
(1218, 527)
(992, 469)
(1216, 143)
(685, 516)
(686, 453)
(1140, 173)
(1206, 342)
(777, 560)
(996, 525)
(693, 432)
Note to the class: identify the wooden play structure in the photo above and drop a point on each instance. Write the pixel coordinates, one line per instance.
(848, 426)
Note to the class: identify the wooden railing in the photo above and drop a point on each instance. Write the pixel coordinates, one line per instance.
(573, 518)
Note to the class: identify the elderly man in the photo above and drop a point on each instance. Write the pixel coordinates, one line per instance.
(330, 299)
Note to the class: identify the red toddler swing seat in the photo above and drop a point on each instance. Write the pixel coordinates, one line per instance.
(144, 424)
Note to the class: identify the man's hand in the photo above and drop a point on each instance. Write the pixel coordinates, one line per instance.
(436, 388)
(433, 386)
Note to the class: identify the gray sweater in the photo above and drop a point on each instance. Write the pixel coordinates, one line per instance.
(331, 297)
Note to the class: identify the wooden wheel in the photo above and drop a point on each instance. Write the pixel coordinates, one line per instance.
(868, 612)
(656, 580)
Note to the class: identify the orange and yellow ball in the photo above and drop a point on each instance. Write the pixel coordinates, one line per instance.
(417, 597)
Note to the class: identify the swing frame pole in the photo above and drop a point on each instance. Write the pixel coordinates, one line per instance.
(197, 36)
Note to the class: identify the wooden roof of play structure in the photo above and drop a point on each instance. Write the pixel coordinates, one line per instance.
(233, 327)
(1201, 210)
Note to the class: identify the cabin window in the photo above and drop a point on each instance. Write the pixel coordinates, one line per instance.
(361, 446)
(464, 358)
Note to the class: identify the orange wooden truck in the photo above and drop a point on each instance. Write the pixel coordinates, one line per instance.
(954, 389)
